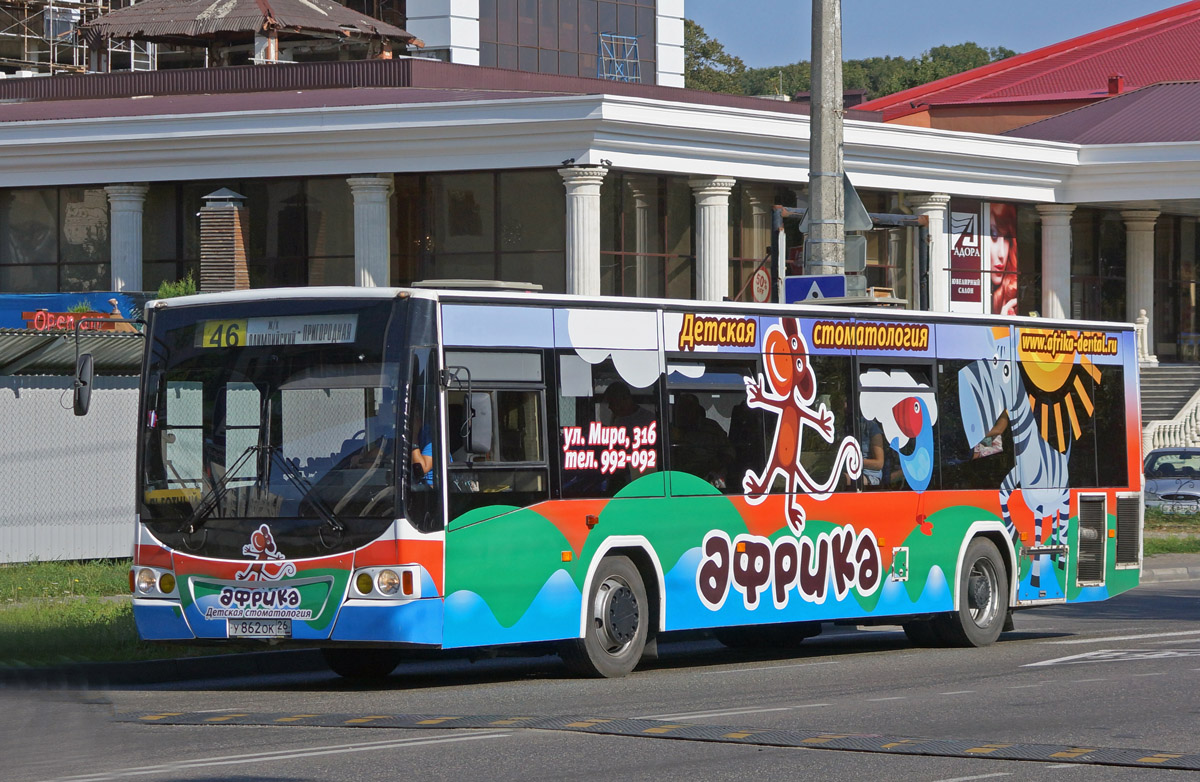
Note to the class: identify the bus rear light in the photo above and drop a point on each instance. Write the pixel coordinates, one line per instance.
(388, 583)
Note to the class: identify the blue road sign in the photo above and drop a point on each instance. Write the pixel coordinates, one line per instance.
(807, 287)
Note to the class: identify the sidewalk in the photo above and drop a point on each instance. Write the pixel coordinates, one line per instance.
(1163, 568)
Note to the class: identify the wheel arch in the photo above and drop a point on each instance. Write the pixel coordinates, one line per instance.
(639, 551)
(996, 533)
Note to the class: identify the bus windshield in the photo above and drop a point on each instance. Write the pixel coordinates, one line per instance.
(255, 412)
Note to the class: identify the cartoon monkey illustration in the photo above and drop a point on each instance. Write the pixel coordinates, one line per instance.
(793, 387)
(262, 547)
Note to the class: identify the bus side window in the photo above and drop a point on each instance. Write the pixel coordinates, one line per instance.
(595, 405)
(899, 404)
(967, 465)
(423, 485)
(714, 434)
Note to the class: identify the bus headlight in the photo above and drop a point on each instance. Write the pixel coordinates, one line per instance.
(387, 582)
(152, 582)
(146, 581)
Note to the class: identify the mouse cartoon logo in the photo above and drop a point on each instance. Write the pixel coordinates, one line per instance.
(792, 390)
(262, 547)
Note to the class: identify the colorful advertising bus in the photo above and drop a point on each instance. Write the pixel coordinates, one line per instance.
(373, 471)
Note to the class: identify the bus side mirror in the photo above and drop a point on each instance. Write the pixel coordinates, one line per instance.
(84, 373)
(479, 429)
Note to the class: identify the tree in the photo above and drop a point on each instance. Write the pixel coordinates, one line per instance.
(706, 64)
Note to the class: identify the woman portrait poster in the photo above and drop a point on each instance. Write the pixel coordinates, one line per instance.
(1002, 257)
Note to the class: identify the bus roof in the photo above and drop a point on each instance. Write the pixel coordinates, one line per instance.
(614, 302)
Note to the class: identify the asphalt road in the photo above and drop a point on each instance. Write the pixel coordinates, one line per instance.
(1089, 692)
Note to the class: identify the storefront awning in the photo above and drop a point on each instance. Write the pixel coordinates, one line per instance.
(27, 352)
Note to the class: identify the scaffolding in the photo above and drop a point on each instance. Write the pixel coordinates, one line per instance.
(618, 60)
(42, 37)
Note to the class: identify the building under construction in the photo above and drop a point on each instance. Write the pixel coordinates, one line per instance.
(42, 36)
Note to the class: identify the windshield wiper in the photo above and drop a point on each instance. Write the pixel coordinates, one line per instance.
(212, 500)
(306, 488)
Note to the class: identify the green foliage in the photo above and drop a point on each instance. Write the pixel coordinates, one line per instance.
(184, 287)
(877, 75)
(80, 306)
(21, 582)
(1171, 544)
(706, 64)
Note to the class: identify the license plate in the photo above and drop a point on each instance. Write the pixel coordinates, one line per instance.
(259, 628)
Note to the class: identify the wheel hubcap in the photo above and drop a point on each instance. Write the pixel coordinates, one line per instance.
(617, 614)
(983, 588)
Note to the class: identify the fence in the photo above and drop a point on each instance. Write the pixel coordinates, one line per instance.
(66, 483)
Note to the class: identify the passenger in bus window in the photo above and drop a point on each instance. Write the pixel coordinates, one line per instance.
(422, 450)
(698, 444)
(625, 411)
(992, 442)
(874, 454)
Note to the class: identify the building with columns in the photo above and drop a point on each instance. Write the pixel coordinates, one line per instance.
(389, 172)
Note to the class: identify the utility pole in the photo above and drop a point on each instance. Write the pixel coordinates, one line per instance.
(827, 209)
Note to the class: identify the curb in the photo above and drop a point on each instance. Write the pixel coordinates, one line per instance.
(1164, 574)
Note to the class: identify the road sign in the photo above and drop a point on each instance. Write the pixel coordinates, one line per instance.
(760, 285)
(809, 287)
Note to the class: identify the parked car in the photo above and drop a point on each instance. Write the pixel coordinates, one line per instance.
(1173, 480)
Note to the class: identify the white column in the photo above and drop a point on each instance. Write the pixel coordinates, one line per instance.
(1139, 267)
(372, 230)
(933, 207)
(712, 236)
(583, 227)
(125, 206)
(1056, 259)
(647, 271)
(450, 26)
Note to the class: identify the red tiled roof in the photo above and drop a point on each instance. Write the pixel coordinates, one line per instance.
(1158, 47)
(1158, 114)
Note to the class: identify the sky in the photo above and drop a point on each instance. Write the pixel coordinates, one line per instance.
(778, 32)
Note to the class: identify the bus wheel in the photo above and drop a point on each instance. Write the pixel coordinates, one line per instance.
(982, 599)
(617, 623)
(361, 663)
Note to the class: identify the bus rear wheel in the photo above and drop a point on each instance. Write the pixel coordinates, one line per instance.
(361, 664)
(617, 623)
(982, 599)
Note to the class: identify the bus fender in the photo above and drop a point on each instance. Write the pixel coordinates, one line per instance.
(994, 531)
(617, 542)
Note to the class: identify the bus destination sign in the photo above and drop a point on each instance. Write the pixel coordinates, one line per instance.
(287, 330)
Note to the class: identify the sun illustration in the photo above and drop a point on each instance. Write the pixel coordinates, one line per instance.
(1060, 385)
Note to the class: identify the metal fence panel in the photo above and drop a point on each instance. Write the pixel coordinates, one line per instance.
(66, 483)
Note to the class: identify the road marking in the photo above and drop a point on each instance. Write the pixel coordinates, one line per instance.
(1156, 673)
(699, 715)
(764, 668)
(1110, 638)
(1118, 655)
(892, 698)
(958, 692)
(1086, 681)
(980, 776)
(174, 768)
(1025, 686)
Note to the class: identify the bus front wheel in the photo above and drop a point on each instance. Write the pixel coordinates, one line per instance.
(982, 599)
(617, 622)
(361, 664)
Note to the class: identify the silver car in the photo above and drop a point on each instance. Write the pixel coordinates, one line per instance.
(1173, 480)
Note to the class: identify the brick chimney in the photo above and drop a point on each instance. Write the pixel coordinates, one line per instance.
(1116, 83)
(223, 242)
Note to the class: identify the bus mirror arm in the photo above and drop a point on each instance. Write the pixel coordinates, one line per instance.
(476, 440)
(85, 368)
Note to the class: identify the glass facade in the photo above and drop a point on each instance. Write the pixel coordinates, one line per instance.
(562, 36)
(54, 239)
(1176, 321)
(1097, 265)
(507, 225)
(646, 236)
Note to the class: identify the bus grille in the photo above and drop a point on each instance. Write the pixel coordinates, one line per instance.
(1090, 565)
(1129, 530)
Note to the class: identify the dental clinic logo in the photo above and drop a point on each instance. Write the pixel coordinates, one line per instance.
(266, 554)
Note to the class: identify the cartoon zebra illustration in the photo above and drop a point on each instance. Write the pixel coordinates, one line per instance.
(988, 388)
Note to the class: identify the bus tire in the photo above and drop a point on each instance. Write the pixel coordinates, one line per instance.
(618, 618)
(982, 599)
(361, 664)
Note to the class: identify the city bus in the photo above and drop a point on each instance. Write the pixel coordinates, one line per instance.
(374, 471)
